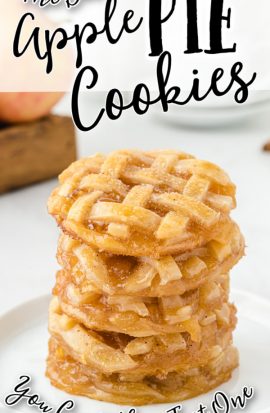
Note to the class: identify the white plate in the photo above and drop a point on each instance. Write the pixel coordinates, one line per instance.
(23, 348)
(216, 111)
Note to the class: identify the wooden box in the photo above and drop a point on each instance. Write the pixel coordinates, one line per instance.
(36, 151)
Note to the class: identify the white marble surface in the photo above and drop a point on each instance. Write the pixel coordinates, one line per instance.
(28, 235)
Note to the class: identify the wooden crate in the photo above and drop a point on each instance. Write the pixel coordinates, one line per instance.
(36, 151)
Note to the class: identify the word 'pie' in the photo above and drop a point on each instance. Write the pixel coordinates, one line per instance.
(140, 311)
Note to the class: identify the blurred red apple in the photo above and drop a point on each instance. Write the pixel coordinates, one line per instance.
(27, 92)
(18, 107)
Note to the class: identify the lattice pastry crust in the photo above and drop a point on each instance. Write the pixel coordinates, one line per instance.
(102, 273)
(76, 378)
(144, 316)
(112, 353)
(142, 203)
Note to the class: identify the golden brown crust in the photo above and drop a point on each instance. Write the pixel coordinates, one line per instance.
(142, 203)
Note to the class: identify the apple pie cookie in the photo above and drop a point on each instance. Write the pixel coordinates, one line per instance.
(98, 272)
(144, 316)
(74, 377)
(142, 204)
(134, 357)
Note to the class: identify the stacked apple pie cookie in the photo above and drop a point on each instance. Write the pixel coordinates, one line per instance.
(140, 311)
